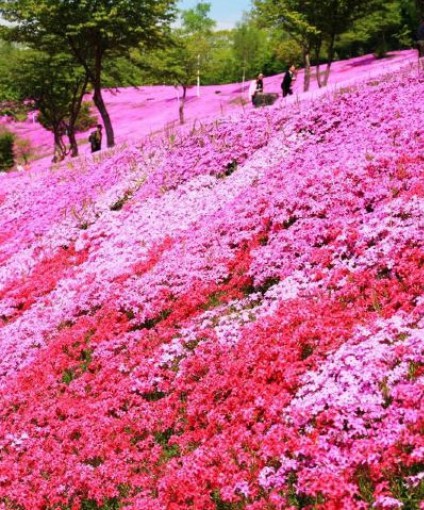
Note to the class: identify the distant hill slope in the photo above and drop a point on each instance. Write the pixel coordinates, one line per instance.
(140, 112)
(227, 318)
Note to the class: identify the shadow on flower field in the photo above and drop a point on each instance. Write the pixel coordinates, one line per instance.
(228, 316)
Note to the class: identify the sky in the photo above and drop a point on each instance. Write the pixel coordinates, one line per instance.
(225, 12)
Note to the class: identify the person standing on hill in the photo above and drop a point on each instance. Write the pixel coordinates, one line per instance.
(95, 139)
(420, 40)
(260, 84)
(289, 78)
(256, 88)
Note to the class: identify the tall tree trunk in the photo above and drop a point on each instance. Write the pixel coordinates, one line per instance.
(318, 65)
(307, 75)
(59, 146)
(327, 73)
(75, 110)
(100, 104)
(318, 74)
(73, 146)
(101, 107)
(329, 60)
(95, 77)
(181, 105)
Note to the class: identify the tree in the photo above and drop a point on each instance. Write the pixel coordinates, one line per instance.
(287, 51)
(197, 20)
(314, 25)
(7, 157)
(243, 52)
(377, 32)
(222, 65)
(8, 55)
(250, 48)
(412, 12)
(10, 101)
(192, 44)
(179, 63)
(56, 85)
(332, 18)
(292, 17)
(93, 30)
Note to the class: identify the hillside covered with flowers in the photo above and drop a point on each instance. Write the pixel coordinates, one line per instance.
(228, 319)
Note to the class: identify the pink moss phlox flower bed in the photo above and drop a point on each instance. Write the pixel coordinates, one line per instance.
(145, 110)
(224, 318)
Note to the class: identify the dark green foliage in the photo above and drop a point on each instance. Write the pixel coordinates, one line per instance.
(327, 29)
(86, 357)
(119, 204)
(109, 504)
(381, 30)
(7, 158)
(94, 461)
(267, 284)
(289, 222)
(16, 110)
(90, 32)
(152, 322)
(68, 376)
(229, 169)
(365, 484)
(56, 85)
(169, 451)
(91, 504)
(10, 104)
(154, 396)
(85, 119)
(257, 49)
(223, 505)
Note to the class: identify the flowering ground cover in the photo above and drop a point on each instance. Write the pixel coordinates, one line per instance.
(226, 318)
(145, 110)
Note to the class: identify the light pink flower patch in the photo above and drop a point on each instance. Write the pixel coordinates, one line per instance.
(231, 317)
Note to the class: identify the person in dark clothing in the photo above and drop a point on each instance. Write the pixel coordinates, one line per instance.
(95, 139)
(260, 84)
(420, 39)
(289, 78)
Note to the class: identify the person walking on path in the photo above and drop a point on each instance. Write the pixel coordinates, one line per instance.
(95, 139)
(289, 78)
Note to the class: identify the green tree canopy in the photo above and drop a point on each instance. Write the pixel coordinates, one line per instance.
(180, 62)
(8, 55)
(197, 20)
(313, 24)
(377, 32)
(92, 30)
(293, 17)
(56, 85)
(250, 48)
